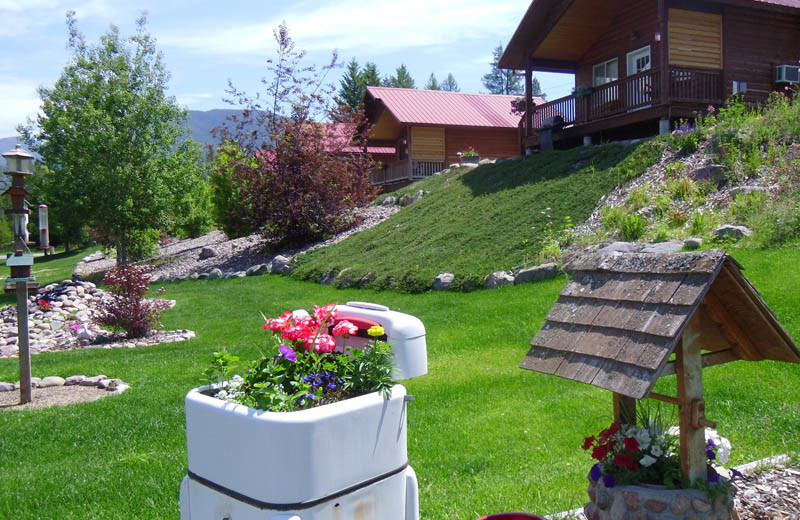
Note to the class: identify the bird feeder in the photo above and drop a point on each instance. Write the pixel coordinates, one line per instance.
(621, 316)
(44, 239)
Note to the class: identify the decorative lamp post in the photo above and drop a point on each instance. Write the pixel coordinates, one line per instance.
(19, 166)
(44, 238)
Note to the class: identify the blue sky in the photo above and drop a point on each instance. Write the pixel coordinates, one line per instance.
(206, 43)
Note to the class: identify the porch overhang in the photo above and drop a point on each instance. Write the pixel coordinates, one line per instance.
(554, 34)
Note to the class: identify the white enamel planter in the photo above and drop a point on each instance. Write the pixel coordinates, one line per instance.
(313, 464)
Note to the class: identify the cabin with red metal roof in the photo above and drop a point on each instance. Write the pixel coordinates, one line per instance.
(428, 128)
(641, 66)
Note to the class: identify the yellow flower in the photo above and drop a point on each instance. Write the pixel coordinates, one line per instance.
(376, 331)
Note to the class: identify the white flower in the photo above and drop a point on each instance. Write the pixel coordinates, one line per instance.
(647, 461)
(656, 450)
(643, 438)
(222, 394)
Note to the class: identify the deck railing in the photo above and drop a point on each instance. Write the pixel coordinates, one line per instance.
(629, 94)
(407, 169)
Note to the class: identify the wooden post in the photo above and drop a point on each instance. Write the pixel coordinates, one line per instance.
(529, 106)
(663, 28)
(624, 409)
(689, 369)
(24, 351)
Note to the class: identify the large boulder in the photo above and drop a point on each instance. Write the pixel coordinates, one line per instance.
(281, 265)
(207, 252)
(536, 274)
(498, 279)
(443, 281)
(734, 232)
(663, 247)
(619, 247)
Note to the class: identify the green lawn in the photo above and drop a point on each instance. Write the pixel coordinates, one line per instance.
(484, 435)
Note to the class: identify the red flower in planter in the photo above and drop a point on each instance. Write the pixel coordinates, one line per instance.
(631, 444)
(624, 460)
(587, 442)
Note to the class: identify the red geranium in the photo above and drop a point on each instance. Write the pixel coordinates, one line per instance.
(587, 442)
(631, 444)
(624, 460)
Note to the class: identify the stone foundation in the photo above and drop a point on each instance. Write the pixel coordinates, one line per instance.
(646, 502)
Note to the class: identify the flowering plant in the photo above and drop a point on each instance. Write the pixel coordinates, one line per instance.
(471, 152)
(628, 454)
(305, 365)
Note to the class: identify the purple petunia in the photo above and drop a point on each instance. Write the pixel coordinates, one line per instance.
(288, 353)
(595, 473)
(711, 443)
(714, 477)
(609, 481)
(710, 454)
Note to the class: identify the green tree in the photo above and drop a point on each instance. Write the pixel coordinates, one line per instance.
(370, 77)
(450, 84)
(498, 81)
(107, 132)
(401, 78)
(351, 86)
(432, 83)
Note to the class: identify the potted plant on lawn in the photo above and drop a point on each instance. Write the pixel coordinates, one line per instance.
(311, 421)
(638, 472)
(469, 157)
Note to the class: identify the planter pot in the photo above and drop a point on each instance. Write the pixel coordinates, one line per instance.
(653, 503)
(511, 516)
(472, 161)
(253, 462)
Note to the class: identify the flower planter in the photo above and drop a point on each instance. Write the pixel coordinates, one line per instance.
(653, 503)
(251, 462)
(470, 160)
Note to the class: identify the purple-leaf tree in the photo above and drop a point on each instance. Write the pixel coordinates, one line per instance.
(291, 164)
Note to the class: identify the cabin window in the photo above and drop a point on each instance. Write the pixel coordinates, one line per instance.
(606, 72)
(638, 60)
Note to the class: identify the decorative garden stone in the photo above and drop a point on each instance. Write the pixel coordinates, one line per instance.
(498, 279)
(537, 273)
(734, 232)
(443, 281)
(207, 252)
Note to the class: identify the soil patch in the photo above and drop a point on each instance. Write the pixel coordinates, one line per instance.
(52, 396)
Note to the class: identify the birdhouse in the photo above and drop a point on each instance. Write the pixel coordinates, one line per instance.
(622, 315)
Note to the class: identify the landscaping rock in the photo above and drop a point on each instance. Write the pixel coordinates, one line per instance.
(327, 277)
(619, 247)
(405, 200)
(120, 388)
(389, 201)
(281, 265)
(207, 252)
(257, 269)
(84, 333)
(74, 380)
(6, 387)
(202, 276)
(92, 381)
(663, 247)
(693, 243)
(454, 166)
(537, 273)
(715, 173)
(734, 232)
(418, 195)
(443, 281)
(498, 279)
(485, 161)
(215, 274)
(51, 381)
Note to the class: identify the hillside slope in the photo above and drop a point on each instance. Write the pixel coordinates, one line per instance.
(472, 222)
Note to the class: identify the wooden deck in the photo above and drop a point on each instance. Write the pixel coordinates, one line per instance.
(636, 98)
(405, 170)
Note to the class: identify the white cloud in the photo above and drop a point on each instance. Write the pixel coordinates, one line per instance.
(18, 101)
(358, 25)
(197, 99)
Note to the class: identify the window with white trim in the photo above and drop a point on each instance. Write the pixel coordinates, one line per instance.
(605, 72)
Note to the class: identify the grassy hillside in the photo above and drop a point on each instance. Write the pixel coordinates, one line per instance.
(491, 218)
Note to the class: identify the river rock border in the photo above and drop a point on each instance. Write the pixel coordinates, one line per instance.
(113, 385)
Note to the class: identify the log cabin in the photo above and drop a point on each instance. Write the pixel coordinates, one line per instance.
(428, 128)
(641, 66)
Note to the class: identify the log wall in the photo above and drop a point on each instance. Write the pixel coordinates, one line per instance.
(490, 143)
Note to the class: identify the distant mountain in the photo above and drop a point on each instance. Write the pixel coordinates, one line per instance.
(200, 123)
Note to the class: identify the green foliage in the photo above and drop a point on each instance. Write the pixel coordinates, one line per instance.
(746, 207)
(635, 164)
(107, 132)
(499, 81)
(682, 188)
(351, 86)
(222, 367)
(675, 170)
(191, 213)
(699, 224)
(450, 84)
(227, 197)
(401, 79)
(639, 198)
(686, 138)
(432, 84)
(633, 227)
(613, 218)
(663, 205)
(677, 218)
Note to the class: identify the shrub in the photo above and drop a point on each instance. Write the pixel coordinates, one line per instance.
(126, 308)
(639, 198)
(678, 218)
(613, 218)
(747, 206)
(682, 188)
(698, 223)
(675, 170)
(633, 227)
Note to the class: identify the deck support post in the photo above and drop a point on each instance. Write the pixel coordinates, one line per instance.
(529, 106)
(587, 140)
(663, 65)
(689, 369)
(663, 126)
(624, 409)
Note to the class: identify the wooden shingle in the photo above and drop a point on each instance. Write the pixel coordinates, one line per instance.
(620, 317)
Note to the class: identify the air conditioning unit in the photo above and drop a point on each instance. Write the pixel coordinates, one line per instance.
(787, 74)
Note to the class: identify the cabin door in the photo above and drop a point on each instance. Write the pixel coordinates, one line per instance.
(639, 89)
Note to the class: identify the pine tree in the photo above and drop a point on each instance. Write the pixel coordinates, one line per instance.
(401, 79)
(499, 81)
(351, 86)
(450, 84)
(370, 77)
(432, 83)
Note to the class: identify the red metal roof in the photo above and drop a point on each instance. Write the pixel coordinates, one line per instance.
(443, 108)
(370, 149)
(787, 3)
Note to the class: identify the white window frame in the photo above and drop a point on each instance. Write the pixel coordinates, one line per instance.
(632, 57)
(604, 64)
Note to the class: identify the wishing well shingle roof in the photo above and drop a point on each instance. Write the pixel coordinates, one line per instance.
(443, 108)
(620, 317)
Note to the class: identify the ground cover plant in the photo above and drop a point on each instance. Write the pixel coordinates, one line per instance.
(494, 217)
(484, 435)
